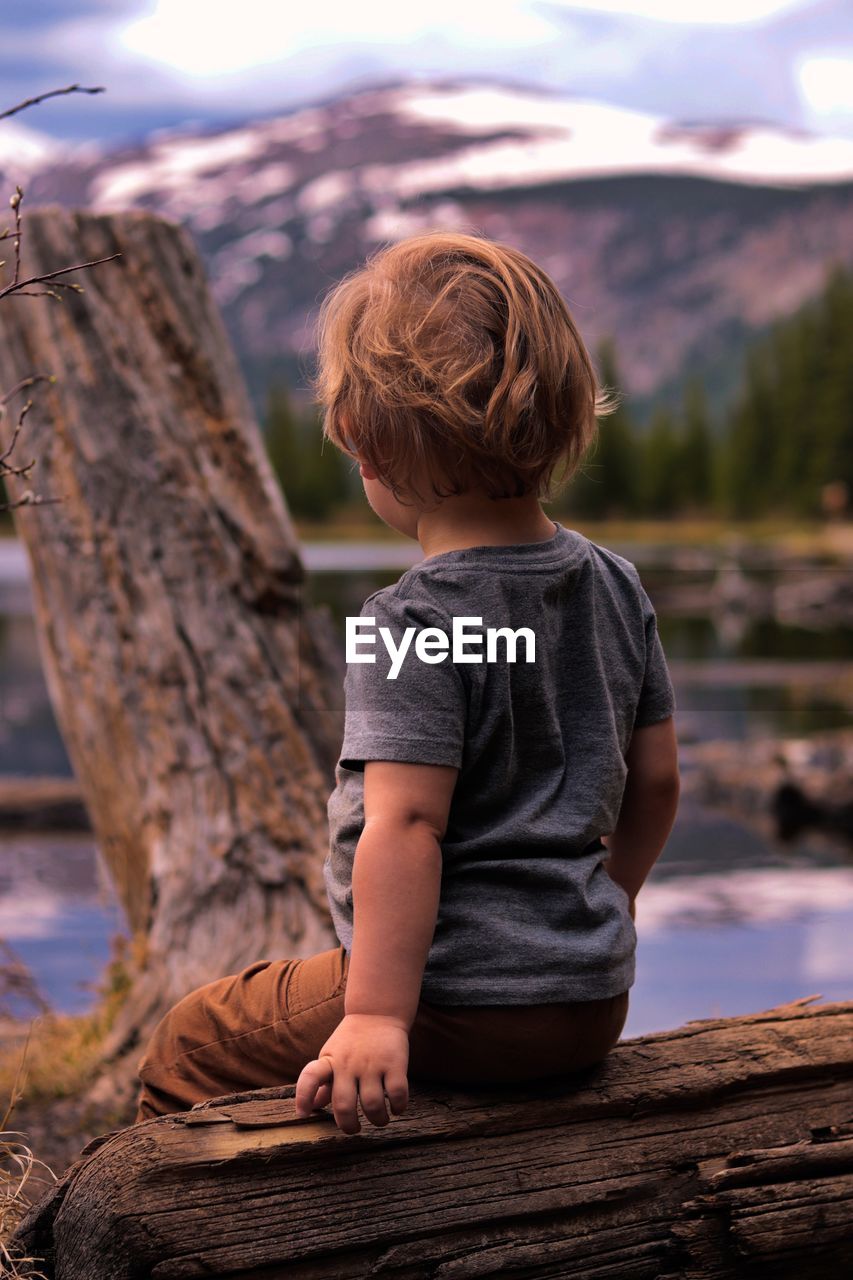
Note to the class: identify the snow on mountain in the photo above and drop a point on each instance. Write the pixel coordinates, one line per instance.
(677, 239)
(24, 150)
(504, 137)
(567, 137)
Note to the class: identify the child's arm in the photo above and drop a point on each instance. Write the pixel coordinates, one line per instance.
(649, 805)
(396, 883)
(405, 726)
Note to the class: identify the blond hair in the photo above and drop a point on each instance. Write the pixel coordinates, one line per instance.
(455, 356)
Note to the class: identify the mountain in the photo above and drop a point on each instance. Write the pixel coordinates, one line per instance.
(24, 150)
(680, 240)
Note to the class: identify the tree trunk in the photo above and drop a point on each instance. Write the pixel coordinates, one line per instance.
(197, 693)
(722, 1149)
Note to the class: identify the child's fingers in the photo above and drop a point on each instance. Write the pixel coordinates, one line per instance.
(345, 1103)
(324, 1096)
(314, 1077)
(397, 1089)
(372, 1098)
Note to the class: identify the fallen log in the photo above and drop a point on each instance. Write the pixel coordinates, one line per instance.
(721, 1149)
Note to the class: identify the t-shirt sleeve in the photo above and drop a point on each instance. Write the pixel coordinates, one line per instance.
(416, 716)
(657, 696)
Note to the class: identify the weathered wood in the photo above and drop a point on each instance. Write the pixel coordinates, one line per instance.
(197, 694)
(723, 1149)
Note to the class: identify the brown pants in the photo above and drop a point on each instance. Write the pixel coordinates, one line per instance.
(261, 1026)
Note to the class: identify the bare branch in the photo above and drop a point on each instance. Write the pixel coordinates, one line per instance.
(29, 499)
(25, 382)
(18, 287)
(52, 93)
(15, 202)
(17, 432)
(50, 274)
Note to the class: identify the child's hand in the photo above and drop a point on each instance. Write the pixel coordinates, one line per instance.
(366, 1057)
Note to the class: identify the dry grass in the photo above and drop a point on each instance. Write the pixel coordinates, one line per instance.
(796, 536)
(17, 1163)
(57, 1059)
(63, 1049)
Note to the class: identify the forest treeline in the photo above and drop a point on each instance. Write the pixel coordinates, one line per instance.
(784, 445)
(787, 435)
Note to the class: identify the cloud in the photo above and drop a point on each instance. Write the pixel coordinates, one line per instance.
(169, 62)
(194, 39)
(696, 13)
(826, 82)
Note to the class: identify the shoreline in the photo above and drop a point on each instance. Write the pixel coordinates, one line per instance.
(835, 535)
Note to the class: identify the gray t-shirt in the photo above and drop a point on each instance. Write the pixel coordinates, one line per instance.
(527, 912)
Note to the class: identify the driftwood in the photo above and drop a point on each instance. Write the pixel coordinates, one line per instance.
(197, 694)
(721, 1149)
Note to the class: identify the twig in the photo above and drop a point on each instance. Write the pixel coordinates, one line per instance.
(17, 432)
(50, 274)
(51, 93)
(17, 284)
(27, 499)
(25, 382)
(18, 287)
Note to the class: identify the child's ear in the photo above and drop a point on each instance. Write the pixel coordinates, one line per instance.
(367, 471)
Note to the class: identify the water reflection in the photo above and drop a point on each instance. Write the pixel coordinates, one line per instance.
(720, 970)
(709, 943)
(728, 922)
(58, 913)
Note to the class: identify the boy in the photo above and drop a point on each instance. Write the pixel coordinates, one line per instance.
(507, 702)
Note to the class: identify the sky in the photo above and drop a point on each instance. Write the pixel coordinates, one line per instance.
(167, 63)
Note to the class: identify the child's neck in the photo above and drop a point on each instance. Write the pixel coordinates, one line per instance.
(476, 520)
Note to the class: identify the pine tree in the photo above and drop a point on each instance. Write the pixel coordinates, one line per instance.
(791, 428)
(312, 473)
(325, 470)
(829, 455)
(750, 443)
(282, 439)
(607, 483)
(794, 359)
(659, 472)
(695, 451)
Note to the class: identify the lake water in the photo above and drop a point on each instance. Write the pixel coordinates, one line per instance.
(727, 923)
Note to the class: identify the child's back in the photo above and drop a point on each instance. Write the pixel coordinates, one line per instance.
(481, 933)
(527, 912)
